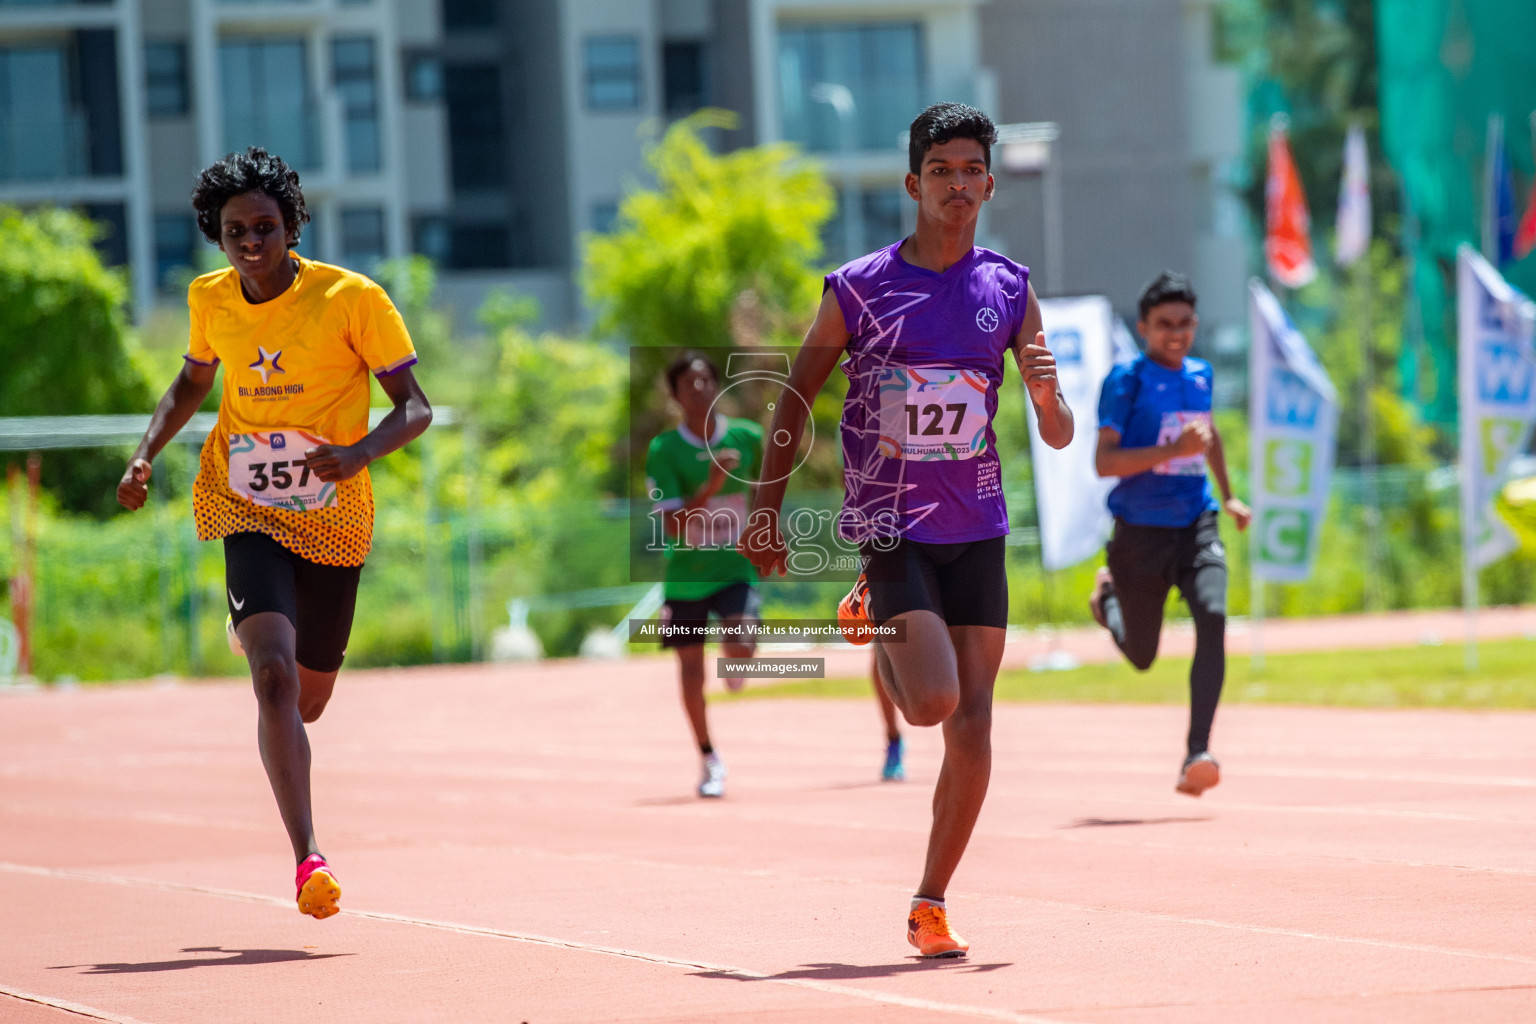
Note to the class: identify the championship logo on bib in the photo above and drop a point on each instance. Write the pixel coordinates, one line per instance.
(263, 469)
(932, 413)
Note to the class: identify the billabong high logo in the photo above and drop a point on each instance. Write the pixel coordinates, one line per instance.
(266, 363)
(279, 442)
(986, 319)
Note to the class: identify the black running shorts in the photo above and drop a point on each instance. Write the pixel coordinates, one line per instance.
(735, 600)
(260, 575)
(963, 584)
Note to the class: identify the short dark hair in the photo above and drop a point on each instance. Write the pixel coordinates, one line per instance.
(237, 174)
(944, 121)
(1165, 287)
(683, 363)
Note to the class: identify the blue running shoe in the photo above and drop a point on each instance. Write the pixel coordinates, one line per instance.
(894, 770)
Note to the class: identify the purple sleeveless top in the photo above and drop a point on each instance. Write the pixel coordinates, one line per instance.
(924, 363)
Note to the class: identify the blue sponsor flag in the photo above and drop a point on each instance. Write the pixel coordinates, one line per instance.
(1500, 221)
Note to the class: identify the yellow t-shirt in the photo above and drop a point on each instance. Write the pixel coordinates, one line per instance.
(300, 361)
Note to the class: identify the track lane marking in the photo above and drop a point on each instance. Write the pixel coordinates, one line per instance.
(827, 987)
(245, 897)
(63, 1004)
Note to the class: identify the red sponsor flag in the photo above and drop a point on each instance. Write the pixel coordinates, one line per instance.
(1287, 229)
(1525, 234)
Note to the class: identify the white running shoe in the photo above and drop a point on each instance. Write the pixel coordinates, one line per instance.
(713, 782)
(235, 646)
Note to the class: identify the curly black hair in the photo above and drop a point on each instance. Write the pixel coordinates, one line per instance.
(683, 363)
(255, 170)
(944, 121)
(1165, 287)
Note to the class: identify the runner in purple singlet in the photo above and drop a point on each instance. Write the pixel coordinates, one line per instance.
(921, 328)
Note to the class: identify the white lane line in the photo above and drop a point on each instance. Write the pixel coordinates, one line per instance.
(827, 987)
(1257, 929)
(64, 1004)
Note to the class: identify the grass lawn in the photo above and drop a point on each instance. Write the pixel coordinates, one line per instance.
(1393, 678)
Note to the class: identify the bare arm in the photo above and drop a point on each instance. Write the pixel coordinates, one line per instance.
(408, 420)
(1216, 458)
(1037, 365)
(824, 345)
(1109, 459)
(176, 406)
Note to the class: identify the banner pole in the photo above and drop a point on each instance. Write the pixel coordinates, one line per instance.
(1467, 455)
(1373, 596)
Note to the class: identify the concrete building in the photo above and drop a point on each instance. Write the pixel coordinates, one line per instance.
(493, 135)
(114, 105)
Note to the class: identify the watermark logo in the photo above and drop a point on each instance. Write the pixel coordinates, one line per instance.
(987, 319)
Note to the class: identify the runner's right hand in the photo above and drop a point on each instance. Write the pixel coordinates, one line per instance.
(763, 544)
(723, 461)
(1194, 439)
(133, 488)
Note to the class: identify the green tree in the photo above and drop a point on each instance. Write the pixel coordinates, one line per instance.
(65, 343)
(714, 228)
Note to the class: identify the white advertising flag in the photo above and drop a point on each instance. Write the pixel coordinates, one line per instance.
(1074, 522)
(1352, 230)
(1293, 416)
(1495, 374)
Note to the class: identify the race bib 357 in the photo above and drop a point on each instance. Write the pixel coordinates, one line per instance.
(268, 468)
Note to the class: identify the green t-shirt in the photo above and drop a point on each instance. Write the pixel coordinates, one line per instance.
(704, 559)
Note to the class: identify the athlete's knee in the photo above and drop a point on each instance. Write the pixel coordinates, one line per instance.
(311, 708)
(970, 728)
(275, 677)
(930, 707)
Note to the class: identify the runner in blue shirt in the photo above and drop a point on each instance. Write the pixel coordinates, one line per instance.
(1157, 436)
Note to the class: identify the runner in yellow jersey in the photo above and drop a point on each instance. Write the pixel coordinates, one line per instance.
(283, 479)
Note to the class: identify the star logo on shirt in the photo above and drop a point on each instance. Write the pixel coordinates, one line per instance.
(986, 319)
(266, 363)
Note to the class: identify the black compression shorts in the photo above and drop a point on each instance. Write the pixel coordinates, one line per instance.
(734, 600)
(260, 575)
(964, 584)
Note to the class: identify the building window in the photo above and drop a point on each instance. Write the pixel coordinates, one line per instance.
(613, 72)
(423, 78)
(883, 219)
(353, 71)
(605, 215)
(176, 238)
(480, 247)
(431, 237)
(165, 74)
(684, 78)
(880, 65)
(476, 139)
(362, 237)
(469, 14)
(267, 99)
(42, 129)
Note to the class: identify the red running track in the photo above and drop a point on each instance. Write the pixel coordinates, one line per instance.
(522, 845)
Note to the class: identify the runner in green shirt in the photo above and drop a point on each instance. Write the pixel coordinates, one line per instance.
(697, 477)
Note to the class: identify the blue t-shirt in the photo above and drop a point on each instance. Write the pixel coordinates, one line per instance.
(1149, 404)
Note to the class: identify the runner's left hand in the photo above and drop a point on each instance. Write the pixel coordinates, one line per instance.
(332, 462)
(1241, 514)
(1039, 367)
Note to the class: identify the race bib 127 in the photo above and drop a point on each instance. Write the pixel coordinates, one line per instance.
(930, 413)
(268, 468)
